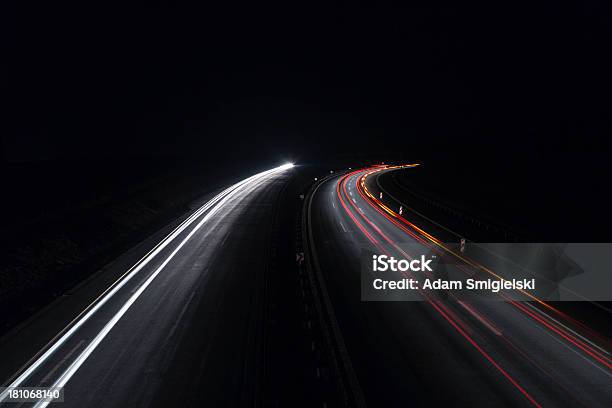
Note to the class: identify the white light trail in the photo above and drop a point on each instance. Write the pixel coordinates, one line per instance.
(214, 205)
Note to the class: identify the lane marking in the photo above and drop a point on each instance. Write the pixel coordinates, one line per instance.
(445, 312)
(127, 276)
(480, 318)
(93, 307)
(65, 377)
(541, 312)
(581, 342)
(180, 316)
(58, 365)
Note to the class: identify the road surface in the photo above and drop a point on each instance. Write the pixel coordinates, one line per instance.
(442, 351)
(184, 325)
(191, 323)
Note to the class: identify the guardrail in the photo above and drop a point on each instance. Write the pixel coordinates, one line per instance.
(349, 389)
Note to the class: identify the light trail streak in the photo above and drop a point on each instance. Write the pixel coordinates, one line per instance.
(445, 312)
(584, 344)
(213, 206)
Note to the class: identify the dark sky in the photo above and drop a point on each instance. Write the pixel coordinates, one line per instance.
(292, 80)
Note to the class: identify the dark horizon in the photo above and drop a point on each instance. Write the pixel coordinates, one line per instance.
(281, 81)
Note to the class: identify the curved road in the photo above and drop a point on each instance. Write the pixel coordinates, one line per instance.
(438, 351)
(187, 324)
(183, 325)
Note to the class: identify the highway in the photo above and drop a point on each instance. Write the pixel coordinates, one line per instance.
(443, 351)
(188, 321)
(183, 325)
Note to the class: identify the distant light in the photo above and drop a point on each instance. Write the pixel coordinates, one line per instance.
(331, 171)
(286, 166)
(316, 179)
(350, 168)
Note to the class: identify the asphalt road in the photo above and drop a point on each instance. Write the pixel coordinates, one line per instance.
(440, 351)
(185, 324)
(205, 315)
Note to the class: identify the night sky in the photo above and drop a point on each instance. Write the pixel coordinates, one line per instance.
(304, 80)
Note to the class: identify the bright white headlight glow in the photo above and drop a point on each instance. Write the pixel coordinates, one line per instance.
(212, 207)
